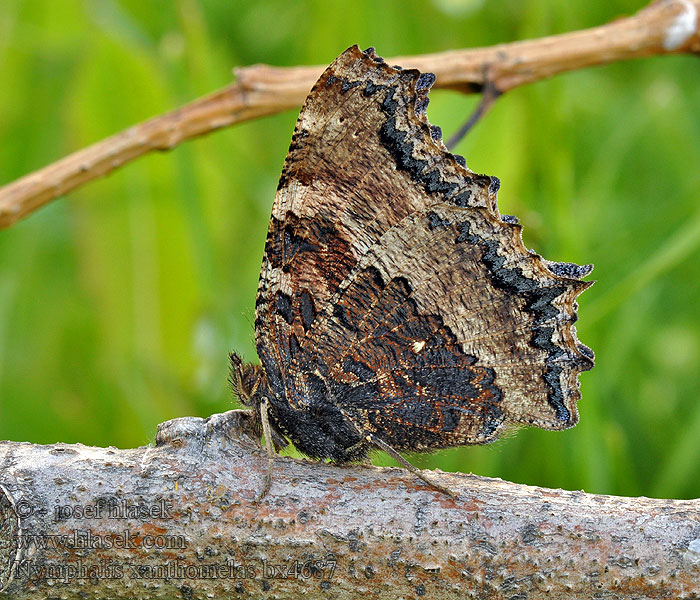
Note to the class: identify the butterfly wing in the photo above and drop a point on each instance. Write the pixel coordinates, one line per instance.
(393, 291)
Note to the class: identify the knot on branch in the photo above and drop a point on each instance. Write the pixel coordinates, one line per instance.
(235, 426)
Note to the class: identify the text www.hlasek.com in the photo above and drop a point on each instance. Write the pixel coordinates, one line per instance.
(86, 539)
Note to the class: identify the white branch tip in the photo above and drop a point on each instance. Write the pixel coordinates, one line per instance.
(682, 27)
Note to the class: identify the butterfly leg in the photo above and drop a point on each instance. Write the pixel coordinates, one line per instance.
(382, 445)
(360, 449)
(267, 432)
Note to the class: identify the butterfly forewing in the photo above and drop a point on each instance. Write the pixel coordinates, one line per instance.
(394, 299)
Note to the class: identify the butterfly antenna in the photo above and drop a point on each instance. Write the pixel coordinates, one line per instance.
(382, 445)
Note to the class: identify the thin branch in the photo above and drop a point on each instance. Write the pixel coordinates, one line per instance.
(488, 97)
(664, 27)
(179, 520)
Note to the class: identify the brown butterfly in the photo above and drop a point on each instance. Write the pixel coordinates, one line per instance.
(397, 309)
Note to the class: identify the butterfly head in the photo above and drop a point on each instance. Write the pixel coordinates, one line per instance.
(250, 385)
(248, 381)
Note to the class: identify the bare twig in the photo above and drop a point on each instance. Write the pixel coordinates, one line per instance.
(488, 97)
(664, 27)
(179, 520)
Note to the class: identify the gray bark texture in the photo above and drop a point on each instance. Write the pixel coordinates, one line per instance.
(179, 520)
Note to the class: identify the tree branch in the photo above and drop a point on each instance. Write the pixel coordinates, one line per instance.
(178, 519)
(664, 27)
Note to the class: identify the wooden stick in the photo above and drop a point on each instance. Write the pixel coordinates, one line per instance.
(180, 520)
(664, 27)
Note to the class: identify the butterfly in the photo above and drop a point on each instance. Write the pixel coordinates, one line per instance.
(397, 308)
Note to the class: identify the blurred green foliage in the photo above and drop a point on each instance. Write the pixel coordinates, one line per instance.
(120, 302)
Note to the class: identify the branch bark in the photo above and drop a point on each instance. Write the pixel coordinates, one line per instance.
(664, 27)
(178, 519)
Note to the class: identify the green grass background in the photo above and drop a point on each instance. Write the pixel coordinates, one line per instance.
(120, 302)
